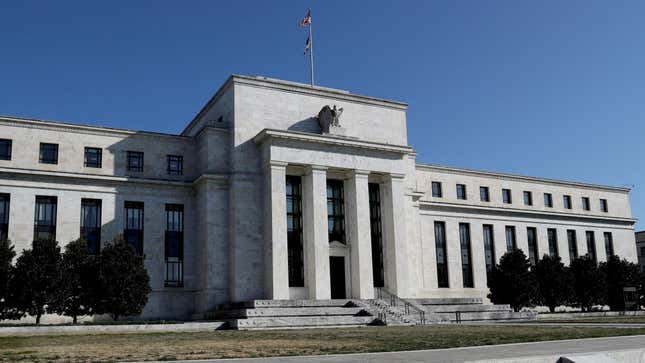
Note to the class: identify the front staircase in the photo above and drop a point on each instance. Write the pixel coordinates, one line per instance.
(385, 309)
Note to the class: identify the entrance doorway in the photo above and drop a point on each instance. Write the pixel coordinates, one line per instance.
(337, 277)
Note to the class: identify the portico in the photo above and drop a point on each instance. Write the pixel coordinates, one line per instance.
(335, 174)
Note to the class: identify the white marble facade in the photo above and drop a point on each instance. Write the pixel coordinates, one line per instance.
(239, 151)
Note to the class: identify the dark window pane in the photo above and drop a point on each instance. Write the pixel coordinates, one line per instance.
(531, 235)
(553, 242)
(603, 205)
(573, 244)
(506, 196)
(436, 190)
(5, 149)
(484, 194)
(135, 161)
(377, 235)
(335, 211)
(461, 191)
(466, 255)
(528, 198)
(489, 248)
(175, 165)
(4, 216)
(174, 245)
(609, 244)
(295, 261)
(591, 246)
(48, 153)
(93, 157)
(548, 200)
(91, 224)
(442, 258)
(45, 218)
(133, 231)
(511, 243)
(567, 201)
(585, 203)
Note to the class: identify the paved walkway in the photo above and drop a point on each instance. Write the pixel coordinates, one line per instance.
(458, 355)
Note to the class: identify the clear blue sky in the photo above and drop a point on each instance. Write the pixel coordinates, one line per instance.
(544, 88)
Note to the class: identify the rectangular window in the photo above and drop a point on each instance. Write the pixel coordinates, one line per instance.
(461, 191)
(93, 157)
(442, 257)
(511, 243)
(5, 149)
(531, 236)
(135, 161)
(548, 200)
(506, 196)
(175, 165)
(567, 201)
(573, 244)
(174, 245)
(48, 153)
(45, 218)
(552, 234)
(604, 207)
(377, 235)
(4, 216)
(585, 203)
(335, 211)
(489, 248)
(484, 194)
(642, 251)
(436, 190)
(528, 198)
(591, 246)
(91, 224)
(609, 244)
(133, 231)
(295, 252)
(466, 255)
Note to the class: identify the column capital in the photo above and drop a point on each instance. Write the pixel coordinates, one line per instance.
(394, 176)
(315, 169)
(278, 164)
(359, 172)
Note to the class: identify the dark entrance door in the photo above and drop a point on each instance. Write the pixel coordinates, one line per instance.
(337, 277)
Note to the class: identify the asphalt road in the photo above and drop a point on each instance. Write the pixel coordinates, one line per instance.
(504, 351)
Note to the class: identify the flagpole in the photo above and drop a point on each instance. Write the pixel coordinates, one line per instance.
(311, 53)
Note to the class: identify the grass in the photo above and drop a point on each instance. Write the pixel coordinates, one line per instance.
(238, 344)
(639, 319)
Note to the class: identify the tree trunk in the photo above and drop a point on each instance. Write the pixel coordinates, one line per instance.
(38, 318)
(74, 319)
(115, 317)
(552, 309)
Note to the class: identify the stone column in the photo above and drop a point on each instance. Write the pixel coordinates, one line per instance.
(276, 252)
(357, 211)
(316, 243)
(395, 247)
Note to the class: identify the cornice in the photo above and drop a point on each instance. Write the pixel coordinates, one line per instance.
(272, 134)
(79, 128)
(524, 212)
(530, 179)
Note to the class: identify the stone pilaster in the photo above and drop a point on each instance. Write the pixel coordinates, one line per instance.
(357, 212)
(276, 250)
(394, 235)
(316, 244)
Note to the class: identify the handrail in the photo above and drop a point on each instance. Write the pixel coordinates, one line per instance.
(381, 293)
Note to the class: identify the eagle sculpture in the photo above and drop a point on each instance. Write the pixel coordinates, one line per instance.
(329, 117)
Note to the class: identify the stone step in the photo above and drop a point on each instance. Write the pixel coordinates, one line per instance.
(284, 311)
(465, 308)
(300, 322)
(448, 301)
(493, 315)
(283, 304)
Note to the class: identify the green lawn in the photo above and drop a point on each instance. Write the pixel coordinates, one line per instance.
(606, 320)
(230, 344)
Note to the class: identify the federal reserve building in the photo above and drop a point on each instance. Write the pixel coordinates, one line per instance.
(278, 194)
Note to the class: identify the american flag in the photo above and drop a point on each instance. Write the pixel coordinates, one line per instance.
(306, 20)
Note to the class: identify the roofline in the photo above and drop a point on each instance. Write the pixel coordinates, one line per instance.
(295, 87)
(521, 177)
(24, 121)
